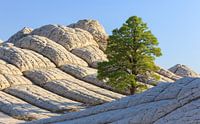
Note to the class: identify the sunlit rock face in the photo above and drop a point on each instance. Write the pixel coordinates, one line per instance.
(184, 71)
(52, 71)
(167, 103)
(20, 34)
(95, 28)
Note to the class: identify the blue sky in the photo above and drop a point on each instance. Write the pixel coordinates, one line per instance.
(176, 23)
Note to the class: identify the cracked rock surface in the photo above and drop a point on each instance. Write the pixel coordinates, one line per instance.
(69, 38)
(43, 98)
(48, 48)
(91, 54)
(5, 119)
(183, 70)
(167, 103)
(52, 71)
(24, 59)
(64, 84)
(20, 34)
(95, 28)
(21, 110)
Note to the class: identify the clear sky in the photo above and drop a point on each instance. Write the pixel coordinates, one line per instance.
(176, 23)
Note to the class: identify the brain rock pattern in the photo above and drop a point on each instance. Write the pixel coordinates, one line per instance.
(49, 75)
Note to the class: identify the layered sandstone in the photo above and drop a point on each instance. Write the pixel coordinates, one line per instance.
(52, 70)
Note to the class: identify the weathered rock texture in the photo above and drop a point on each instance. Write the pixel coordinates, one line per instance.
(61, 83)
(167, 103)
(91, 54)
(20, 109)
(48, 48)
(51, 70)
(35, 81)
(168, 74)
(20, 34)
(183, 70)
(5, 119)
(95, 28)
(24, 59)
(68, 37)
(6, 68)
(43, 98)
(165, 76)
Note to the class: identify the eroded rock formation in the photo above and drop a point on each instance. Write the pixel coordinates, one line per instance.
(20, 34)
(36, 80)
(183, 70)
(95, 28)
(167, 103)
(51, 70)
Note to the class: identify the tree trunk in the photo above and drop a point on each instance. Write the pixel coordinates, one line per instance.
(133, 90)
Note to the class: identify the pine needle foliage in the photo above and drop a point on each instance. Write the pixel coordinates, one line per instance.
(131, 52)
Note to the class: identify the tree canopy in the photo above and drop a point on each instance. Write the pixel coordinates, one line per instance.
(131, 52)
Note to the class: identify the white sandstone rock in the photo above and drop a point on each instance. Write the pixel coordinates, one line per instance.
(183, 70)
(61, 83)
(6, 68)
(168, 74)
(67, 37)
(31, 87)
(95, 28)
(24, 59)
(91, 54)
(20, 34)
(21, 110)
(166, 103)
(11, 80)
(48, 48)
(5, 119)
(43, 98)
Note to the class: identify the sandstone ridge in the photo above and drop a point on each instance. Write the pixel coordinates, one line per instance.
(51, 70)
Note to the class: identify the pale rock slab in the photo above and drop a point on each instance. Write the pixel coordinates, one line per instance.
(68, 89)
(76, 90)
(166, 103)
(164, 78)
(5, 119)
(44, 99)
(24, 59)
(20, 109)
(43, 77)
(83, 73)
(6, 68)
(95, 28)
(50, 49)
(126, 102)
(188, 114)
(86, 74)
(20, 34)
(2, 62)
(70, 38)
(183, 70)
(91, 54)
(153, 82)
(168, 74)
(11, 80)
(78, 71)
(89, 75)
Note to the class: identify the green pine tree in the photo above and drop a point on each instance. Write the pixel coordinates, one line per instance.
(131, 52)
